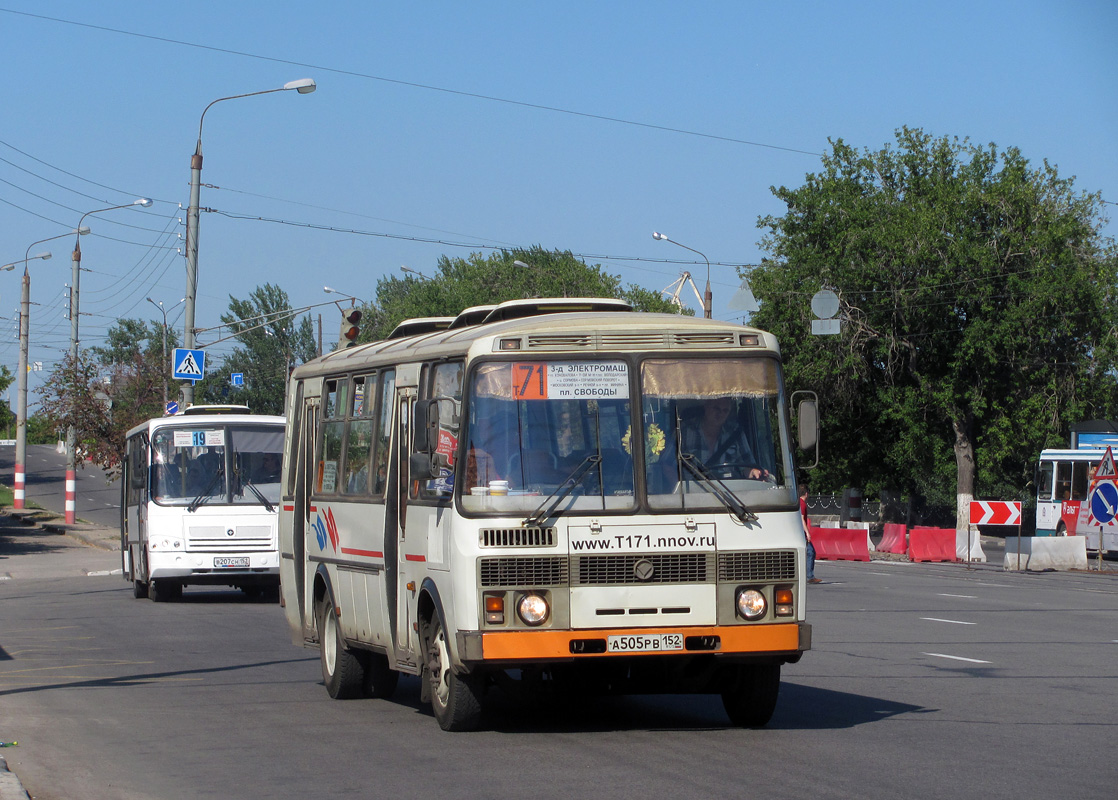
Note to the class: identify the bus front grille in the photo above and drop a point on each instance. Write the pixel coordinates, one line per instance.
(633, 568)
(231, 538)
(524, 571)
(518, 537)
(757, 566)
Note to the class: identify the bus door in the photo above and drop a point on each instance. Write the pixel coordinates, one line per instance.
(303, 463)
(410, 551)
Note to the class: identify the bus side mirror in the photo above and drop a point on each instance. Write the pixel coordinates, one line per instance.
(807, 423)
(421, 467)
(425, 417)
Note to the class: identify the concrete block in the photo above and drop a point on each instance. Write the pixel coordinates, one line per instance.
(976, 555)
(1039, 553)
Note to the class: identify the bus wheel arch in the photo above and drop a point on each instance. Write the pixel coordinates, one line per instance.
(455, 696)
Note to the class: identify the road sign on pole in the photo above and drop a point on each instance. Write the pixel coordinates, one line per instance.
(995, 512)
(189, 365)
(1102, 497)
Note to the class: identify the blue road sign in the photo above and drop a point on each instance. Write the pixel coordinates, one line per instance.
(1104, 502)
(189, 365)
(237, 378)
(172, 408)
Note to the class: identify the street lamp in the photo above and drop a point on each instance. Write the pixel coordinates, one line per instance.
(18, 492)
(302, 86)
(352, 297)
(163, 353)
(707, 294)
(411, 271)
(71, 434)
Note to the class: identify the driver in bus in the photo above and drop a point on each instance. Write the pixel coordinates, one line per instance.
(717, 439)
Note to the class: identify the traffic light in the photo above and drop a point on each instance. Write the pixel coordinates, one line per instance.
(347, 337)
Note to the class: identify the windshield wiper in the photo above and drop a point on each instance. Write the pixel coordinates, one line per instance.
(562, 490)
(207, 492)
(716, 487)
(263, 500)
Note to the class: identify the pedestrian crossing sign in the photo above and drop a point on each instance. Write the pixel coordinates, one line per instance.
(189, 365)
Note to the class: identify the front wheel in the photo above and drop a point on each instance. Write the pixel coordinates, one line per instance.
(455, 697)
(751, 698)
(139, 590)
(341, 669)
(163, 590)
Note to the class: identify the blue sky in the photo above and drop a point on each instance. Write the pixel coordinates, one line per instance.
(577, 125)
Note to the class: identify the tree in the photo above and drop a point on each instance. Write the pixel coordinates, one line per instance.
(460, 283)
(976, 296)
(273, 342)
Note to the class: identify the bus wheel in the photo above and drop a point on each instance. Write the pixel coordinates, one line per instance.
(751, 699)
(139, 590)
(341, 669)
(455, 698)
(380, 679)
(163, 591)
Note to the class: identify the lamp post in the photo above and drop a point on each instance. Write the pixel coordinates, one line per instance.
(352, 297)
(163, 352)
(707, 297)
(71, 433)
(302, 86)
(411, 271)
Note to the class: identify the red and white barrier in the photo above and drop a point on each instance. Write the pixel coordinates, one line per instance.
(71, 496)
(840, 544)
(932, 544)
(18, 488)
(894, 539)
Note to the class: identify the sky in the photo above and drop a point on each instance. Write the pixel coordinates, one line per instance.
(448, 128)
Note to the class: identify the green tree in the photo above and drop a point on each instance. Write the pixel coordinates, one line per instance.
(976, 297)
(459, 283)
(272, 342)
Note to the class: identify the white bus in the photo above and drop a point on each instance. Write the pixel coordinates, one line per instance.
(200, 495)
(520, 493)
(1063, 484)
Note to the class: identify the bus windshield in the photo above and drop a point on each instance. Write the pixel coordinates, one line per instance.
(214, 465)
(709, 436)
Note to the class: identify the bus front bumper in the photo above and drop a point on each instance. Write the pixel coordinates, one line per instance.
(783, 641)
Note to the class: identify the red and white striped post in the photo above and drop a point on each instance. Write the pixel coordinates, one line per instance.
(71, 495)
(18, 493)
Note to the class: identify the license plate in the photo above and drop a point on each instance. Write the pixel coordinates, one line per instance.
(645, 643)
(226, 562)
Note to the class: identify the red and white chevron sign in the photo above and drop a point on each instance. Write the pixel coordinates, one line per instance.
(995, 512)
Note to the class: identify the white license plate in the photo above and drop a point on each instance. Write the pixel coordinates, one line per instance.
(644, 643)
(226, 562)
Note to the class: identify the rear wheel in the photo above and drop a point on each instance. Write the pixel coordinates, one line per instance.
(341, 669)
(751, 700)
(455, 697)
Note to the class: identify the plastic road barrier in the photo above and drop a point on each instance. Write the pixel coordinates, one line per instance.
(894, 539)
(840, 544)
(932, 544)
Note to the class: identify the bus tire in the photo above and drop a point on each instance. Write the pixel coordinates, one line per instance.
(751, 698)
(380, 679)
(341, 668)
(139, 589)
(455, 697)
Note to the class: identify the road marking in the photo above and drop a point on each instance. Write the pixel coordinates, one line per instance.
(952, 621)
(962, 596)
(103, 572)
(957, 658)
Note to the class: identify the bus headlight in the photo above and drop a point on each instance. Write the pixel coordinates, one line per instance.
(751, 604)
(532, 609)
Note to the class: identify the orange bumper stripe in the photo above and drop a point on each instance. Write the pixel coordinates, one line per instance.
(524, 645)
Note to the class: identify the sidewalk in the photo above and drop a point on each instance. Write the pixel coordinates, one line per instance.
(84, 532)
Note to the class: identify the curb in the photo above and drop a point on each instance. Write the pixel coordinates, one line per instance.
(89, 535)
(10, 786)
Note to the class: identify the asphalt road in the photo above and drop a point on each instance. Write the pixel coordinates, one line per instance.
(97, 499)
(925, 681)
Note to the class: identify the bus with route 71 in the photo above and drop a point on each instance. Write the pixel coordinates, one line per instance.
(552, 493)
